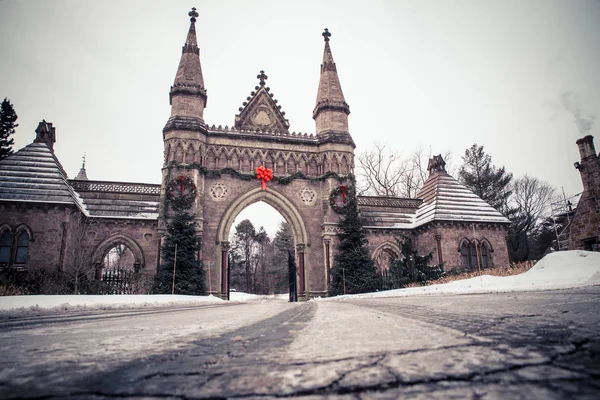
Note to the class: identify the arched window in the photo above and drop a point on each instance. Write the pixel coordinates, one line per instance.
(22, 248)
(483, 252)
(6, 242)
(464, 254)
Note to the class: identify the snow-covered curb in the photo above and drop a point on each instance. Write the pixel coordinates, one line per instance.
(560, 270)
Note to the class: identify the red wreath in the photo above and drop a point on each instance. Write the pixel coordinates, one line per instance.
(265, 175)
(177, 192)
(339, 206)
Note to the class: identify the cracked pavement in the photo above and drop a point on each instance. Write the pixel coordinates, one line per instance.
(525, 345)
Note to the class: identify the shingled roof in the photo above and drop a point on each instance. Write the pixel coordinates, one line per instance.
(442, 198)
(34, 174)
(119, 199)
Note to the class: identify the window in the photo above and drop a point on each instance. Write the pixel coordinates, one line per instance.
(483, 252)
(14, 248)
(469, 256)
(5, 247)
(591, 244)
(464, 254)
(22, 247)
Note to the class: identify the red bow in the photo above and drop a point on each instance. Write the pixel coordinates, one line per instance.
(264, 174)
(343, 190)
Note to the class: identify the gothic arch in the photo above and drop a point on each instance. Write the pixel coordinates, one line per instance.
(388, 247)
(273, 198)
(113, 240)
(22, 227)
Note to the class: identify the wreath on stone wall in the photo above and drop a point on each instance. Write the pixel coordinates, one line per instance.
(181, 192)
(338, 199)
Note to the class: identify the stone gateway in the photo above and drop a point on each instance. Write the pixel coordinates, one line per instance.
(41, 210)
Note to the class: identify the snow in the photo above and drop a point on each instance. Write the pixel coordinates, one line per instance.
(559, 270)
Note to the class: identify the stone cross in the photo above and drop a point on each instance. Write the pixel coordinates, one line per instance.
(193, 14)
(262, 78)
(326, 35)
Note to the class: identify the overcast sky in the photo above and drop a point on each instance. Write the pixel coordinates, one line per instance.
(507, 75)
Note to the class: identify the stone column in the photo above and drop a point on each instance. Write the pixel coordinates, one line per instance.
(438, 243)
(301, 285)
(224, 266)
(327, 243)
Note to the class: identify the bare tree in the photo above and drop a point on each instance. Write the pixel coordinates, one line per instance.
(529, 207)
(78, 258)
(386, 172)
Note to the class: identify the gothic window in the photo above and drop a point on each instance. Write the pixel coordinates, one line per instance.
(469, 250)
(483, 253)
(14, 248)
(22, 248)
(6, 242)
(464, 254)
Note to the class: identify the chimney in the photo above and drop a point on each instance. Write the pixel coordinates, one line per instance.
(589, 167)
(586, 148)
(45, 133)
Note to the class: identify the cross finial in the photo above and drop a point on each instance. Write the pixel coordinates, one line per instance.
(83, 159)
(326, 35)
(262, 78)
(193, 14)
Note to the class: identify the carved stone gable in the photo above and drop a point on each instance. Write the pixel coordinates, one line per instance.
(260, 111)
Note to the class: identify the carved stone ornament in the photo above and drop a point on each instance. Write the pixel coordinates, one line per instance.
(219, 191)
(308, 196)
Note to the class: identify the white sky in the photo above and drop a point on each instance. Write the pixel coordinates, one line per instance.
(439, 73)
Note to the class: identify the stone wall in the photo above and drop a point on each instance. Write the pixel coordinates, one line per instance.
(46, 225)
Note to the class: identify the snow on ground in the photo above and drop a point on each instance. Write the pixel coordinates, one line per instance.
(560, 270)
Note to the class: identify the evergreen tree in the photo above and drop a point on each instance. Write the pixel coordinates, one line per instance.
(189, 273)
(484, 179)
(283, 245)
(353, 267)
(413, 268)
(7, 128)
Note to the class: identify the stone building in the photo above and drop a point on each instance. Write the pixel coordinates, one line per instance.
(583, 230)
(42, 212)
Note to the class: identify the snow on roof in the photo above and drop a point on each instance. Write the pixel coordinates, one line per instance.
(34, 174)
(442, 198)
(119, 199)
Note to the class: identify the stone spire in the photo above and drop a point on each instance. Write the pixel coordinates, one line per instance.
(188, 95)
(331, 111)
(82, 175)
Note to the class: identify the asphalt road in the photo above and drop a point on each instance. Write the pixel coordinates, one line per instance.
(531, 345)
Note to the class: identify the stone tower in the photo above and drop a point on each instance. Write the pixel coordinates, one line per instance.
(185, 132)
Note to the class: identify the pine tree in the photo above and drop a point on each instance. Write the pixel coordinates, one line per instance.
(413, 268)
(283, 245)
(353, 268)
(484, 179)
(189, 272)
(7, 128)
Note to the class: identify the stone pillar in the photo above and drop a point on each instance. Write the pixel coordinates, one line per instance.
(438, 243)
(327, 243)
(224, 266)
(301, 284)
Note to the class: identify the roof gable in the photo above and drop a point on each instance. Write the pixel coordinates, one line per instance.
(260, 111)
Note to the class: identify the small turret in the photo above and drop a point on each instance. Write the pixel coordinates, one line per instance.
(82, 175)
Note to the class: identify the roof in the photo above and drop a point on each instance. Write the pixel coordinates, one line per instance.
(126, 200)
(34, 174)
(442, 198)
(445, 199)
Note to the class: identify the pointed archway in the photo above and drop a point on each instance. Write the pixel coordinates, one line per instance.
(289, 212)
